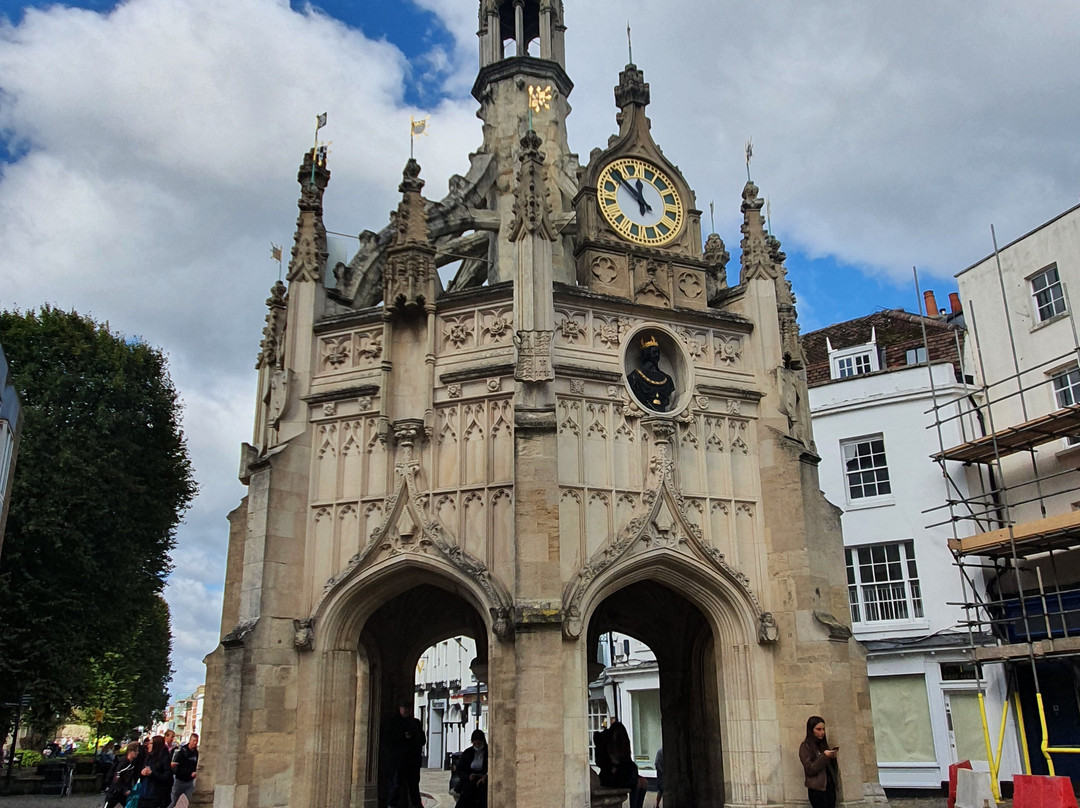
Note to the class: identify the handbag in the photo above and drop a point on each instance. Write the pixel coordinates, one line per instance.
(133, 797)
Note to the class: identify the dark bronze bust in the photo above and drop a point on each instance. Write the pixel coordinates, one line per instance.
(652, 387)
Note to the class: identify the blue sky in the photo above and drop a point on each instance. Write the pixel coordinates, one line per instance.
(149, 157)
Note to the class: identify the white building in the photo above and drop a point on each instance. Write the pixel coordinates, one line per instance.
(1020, 305)
(628, 690)
(450, 701)
(871, 393)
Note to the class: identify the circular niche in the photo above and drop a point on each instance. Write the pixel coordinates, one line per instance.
(652, 355)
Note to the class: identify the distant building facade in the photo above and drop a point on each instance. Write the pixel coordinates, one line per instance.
(873, 383)
(10, 426)
(450, 699)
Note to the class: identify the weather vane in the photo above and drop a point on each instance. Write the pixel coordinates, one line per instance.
(275, 253)
(416, 127)
(539, 98)
(749, 154)
(629, 44)
(316, 151)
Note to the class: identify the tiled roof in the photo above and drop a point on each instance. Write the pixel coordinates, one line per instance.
(898, 331)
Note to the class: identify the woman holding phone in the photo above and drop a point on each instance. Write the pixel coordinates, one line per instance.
(819, 764)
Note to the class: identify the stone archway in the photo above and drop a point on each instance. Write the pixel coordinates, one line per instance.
(368, 639)
(685, 649)
(716, 667)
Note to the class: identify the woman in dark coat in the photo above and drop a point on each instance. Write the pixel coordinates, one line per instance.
(155, 790)
(819, 764)
(472, 767)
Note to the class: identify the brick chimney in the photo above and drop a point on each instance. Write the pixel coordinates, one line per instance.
(930, 304)
(954, 303)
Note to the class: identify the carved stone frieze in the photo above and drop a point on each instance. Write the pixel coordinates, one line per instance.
(533, 356)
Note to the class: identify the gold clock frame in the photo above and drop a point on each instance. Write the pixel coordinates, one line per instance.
(671, 222)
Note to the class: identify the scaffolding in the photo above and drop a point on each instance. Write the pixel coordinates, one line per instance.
(1015, 523)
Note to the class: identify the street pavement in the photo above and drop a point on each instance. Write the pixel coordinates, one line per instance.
(434, 785)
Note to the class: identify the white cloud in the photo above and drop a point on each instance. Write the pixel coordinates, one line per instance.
(164, 139)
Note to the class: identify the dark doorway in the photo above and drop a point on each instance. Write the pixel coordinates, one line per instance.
(685, 650)
(392, 641)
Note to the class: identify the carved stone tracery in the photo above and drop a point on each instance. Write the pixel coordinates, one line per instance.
(663, 522)
(409, 528)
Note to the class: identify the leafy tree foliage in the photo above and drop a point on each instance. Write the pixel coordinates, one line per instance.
(101, 483)
(127, 684)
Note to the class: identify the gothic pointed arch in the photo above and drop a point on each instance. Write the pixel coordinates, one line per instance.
(410, 536)
(663, 542)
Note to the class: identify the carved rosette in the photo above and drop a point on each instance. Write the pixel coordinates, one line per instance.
(533, 356)
(662, 523)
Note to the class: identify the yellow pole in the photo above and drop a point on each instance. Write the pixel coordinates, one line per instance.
(989, 751)
(1045, 745)
(1023, 733)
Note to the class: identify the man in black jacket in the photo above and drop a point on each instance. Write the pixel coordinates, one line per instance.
(405, 741)
(184, 762)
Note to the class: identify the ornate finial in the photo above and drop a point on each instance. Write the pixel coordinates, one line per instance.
(749, 154)
(629, 44)
(649, 342)
(632, 88)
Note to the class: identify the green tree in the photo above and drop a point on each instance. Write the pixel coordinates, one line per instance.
(127, 686)
(102, 481)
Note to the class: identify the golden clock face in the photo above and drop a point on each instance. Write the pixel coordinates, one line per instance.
(639, 201)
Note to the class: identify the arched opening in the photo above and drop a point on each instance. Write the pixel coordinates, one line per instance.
(529, 27)
(375, 634)
(682, 642)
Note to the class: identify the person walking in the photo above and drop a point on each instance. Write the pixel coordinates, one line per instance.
(122, 779)
(822, 773)
(184, 762)
(157, 776)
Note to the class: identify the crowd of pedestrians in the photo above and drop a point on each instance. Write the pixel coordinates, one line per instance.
(158, 773)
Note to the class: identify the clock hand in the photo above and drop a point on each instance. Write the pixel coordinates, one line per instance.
(645, 206)
(634, 192)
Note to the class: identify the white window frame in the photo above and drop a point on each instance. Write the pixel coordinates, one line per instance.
(886, 569)
(849, 451)
(1053, 305)
(1065, 382)
(846, 363)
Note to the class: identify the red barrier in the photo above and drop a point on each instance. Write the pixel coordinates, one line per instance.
(963, 764)
(1040, 791)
